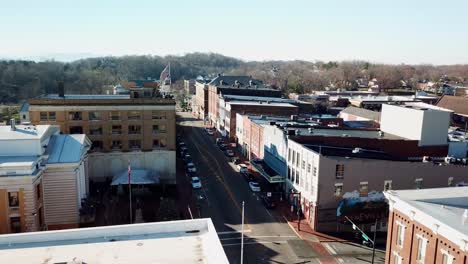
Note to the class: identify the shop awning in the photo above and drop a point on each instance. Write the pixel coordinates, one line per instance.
(136, 177)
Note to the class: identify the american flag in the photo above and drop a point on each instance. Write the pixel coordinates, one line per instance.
(129, 173)
(166, 73)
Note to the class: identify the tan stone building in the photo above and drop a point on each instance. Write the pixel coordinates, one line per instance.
(122, 130)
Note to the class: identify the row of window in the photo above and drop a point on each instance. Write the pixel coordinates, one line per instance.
(117, 129)
(134, 144)
(96, 116)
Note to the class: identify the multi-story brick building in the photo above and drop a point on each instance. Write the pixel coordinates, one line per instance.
(428, 226)
(122, 129)
(200, 106)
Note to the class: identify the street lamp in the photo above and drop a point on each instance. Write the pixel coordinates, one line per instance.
(365, 236)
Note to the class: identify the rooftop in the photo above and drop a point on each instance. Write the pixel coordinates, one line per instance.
(23, 132)
(277, 104)
(87, 96)
(457, 104)
(442, 207)
(349, 152)
(228, 97)
(67, 148)
(233, 80)
(368, 114)
(186, 241)
(17, 161)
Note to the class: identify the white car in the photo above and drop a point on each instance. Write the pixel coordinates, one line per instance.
(191, 167)
(196, 183)
(242, 168)
(254, 186)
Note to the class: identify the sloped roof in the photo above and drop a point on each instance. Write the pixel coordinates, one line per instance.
(372, 115)
(458, 104)
(67, 148)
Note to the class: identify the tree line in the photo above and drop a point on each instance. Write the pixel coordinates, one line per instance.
(20, 80)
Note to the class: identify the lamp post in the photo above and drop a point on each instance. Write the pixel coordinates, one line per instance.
(365, 236)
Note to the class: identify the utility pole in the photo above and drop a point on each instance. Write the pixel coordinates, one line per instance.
(242, 235)
(365, 236)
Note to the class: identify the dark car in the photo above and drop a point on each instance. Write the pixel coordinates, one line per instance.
(248, 177)
(268, 202)
(222, 146)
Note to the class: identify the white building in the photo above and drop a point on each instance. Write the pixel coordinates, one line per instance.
(187, 241)
(43, 176)
(426, 124)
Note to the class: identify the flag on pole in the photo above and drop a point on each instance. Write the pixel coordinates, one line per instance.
(129, 174)
(165, 74)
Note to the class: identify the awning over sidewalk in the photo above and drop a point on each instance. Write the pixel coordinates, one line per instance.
(268, 173)
(137, 177)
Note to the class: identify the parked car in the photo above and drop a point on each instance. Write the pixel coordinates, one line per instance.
(254, 186)
(268, 202)
(196, 183)
(187, 158)
(229, 153)
(219, 141)
(181, 144)
(191, 167)
(222, 146)
(242, 168)
(248, 177)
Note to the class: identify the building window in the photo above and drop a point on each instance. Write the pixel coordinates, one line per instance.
(418, 183)
(338, 190)
(116, 144)
(96, 145)
(38, 191)
(297, 176)
(114, 115)
(75, 116)
(421, 253)
(158, 115)
(293, 157)
(387, 185)
(41, 217)
(155, 143)
(163, 142)
(289, 155)
(363, 188)
(450, 182)
(397, 258)
(308, 167)
(289, 173)
(134, 129)
(159, 129)
(76, 130)
(51, 116)
(400, 234)
(13, 199)
(134, 144)
(116, 130)
(339, 173)
(93, 116)
(315, 171)
(95, 130)
(15, 224)
(298, 158)
(293, 172)
(446, 258)
(43, 116)
(134, 115)
(303, 164)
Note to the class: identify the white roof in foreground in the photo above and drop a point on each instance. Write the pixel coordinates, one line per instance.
(443, 210)
(23, 132)
(187, 241)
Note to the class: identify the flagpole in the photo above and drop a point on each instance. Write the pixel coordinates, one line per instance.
(130, 190)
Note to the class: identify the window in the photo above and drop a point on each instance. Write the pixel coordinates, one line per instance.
(315, 171)
(303, 164)
(117, 130)
(158, 115)
(43, 116)
(446, 258)
(421, 253)
(289, 173)
(75, 116)
(163, 142)
(159, 129)
(339, 173)
(363, 188)
(450, 182)
(76, 130)
(41, 217)
(398, 258)
(387, 185)
(15, 224)
(400, 234)
(47, 116)
(13, 199)
(38, 191)
(297, 176)
(289, 154)
(134, 115)
(338, 189)
(293, 156)
(134, 129)
(418, 183)
(134, 144)
(292, 175)
(155, 143)
(96, 145)
(93, 116)
(308, 167)
(95, 130)
(298, 158)
(114, 115)
(116, 144)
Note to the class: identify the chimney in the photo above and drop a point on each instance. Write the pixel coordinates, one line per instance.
(465, 217)
(61, 89)
(13, 124)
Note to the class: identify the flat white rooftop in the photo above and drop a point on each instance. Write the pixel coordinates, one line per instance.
(23, 132)
(87, 96)
(277, 104)
(187, 241)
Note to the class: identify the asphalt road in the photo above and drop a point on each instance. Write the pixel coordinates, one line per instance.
(267, 236)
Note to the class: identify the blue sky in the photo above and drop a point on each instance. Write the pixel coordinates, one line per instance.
(396, 31)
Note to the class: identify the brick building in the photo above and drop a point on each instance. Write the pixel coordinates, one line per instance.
(200, 108)
(428, 226)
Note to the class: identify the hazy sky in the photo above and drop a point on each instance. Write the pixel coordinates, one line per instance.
(391, 31)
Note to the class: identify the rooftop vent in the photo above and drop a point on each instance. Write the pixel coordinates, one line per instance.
(311, 130)
(357, 150)
(13, 124)
(381, 133)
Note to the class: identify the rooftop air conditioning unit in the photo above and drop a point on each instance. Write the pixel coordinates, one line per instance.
(426, 159)
(357, 150)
